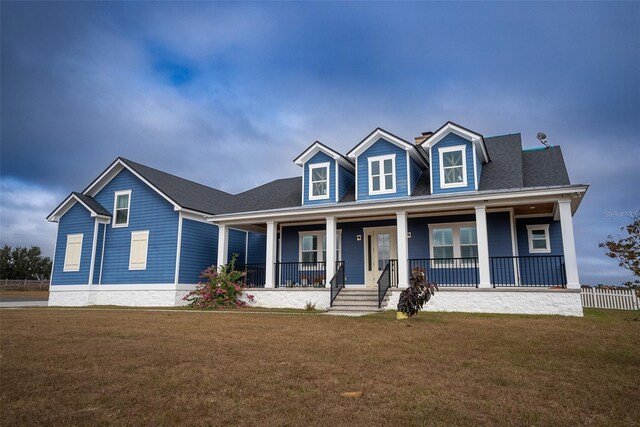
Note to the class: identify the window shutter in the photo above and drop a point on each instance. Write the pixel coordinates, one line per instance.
(73, 252)
(138, 255)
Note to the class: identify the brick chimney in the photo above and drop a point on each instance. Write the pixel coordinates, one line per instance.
(422, 138)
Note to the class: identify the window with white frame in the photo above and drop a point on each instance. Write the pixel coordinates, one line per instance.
(382, 174)
(458, 240)
(539, 238)
(319, 181)
(73, 252)
(121, 209)
(139, 249)
(453, 166)
(313, 246)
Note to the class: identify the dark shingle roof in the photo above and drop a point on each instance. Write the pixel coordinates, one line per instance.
(423, 186)
(281, 193)
(92, 203)
(505, 169)
(188, 194)
(544, 167)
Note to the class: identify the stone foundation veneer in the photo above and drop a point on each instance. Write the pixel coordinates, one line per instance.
(510, 301)
(563, 302)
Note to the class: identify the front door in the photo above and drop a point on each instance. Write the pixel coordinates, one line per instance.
(380, 246)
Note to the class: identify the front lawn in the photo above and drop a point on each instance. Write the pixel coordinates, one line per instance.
(153, 367)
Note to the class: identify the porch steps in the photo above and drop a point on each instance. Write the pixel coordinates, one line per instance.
(356, 302)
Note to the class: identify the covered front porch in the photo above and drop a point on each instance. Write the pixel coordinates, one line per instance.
(486, 247)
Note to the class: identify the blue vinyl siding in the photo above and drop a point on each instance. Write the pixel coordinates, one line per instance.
(379, 148)
(257, 248)
(416, 171)
(345, 182)
(499, 231)
(237, 245)
(100, 240)
(148, 211)
(319, 157)
(450, 141)
(76, 220)
(529, 273)
(198, 250)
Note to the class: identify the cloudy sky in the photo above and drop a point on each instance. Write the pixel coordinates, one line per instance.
(228, 94)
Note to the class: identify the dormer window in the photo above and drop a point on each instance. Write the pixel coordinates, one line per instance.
(453, 167)
(319, 181)
(382, 174)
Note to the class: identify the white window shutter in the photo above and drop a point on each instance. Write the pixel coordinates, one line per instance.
(73, 252)
(138, 255)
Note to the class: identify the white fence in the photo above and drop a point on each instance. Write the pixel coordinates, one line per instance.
(617, 299)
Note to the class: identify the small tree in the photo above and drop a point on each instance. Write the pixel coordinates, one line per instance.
(417, 294)
(626, 250)
(220, 289)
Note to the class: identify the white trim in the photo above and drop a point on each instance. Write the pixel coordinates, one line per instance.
(272, 239)
(504, 198)
(319, 147)
(441, 152)
(482, 235)
(374, 137)
(146, 257)
(408, 175)
(66, 269)
(104, 241)
(311, 167)
(514, 247)
(475, 138)
(223, 245)
(402, 249)
(383, 189)
(337, 181)
(111, 287)
(98, 185)
(568, 244)
(115, 205)
(66, 205)
(193, 216)
(537, 227)
(178, 248)
(93, 251)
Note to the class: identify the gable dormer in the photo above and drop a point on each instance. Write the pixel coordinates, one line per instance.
(386, 166)
(457, 155)
(326, 174)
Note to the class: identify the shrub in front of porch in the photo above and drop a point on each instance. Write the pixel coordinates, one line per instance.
(418, 293)
(220, 289)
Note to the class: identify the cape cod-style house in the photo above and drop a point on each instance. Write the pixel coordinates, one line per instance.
(487, 220)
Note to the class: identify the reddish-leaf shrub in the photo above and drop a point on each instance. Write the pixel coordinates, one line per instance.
(219, 289)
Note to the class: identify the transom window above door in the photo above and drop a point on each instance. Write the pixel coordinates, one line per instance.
(319, 181)
(382, 174)
(453, 167)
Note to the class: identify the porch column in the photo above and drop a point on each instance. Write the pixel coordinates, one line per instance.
(403, 249)
(270, 267)
(330, 250)
(483, 247)
(223, 244)
(568, 244)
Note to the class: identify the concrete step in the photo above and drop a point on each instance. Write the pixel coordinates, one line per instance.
(337, 303)
(356, 309)
(349, 297)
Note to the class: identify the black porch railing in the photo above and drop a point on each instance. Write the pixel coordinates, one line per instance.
(388, 278)
(300, 274)
(255, 275)
(530, 270)
(449, 271)
(337, 282)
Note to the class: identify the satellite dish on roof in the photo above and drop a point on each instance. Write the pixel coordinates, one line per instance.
(542, 137)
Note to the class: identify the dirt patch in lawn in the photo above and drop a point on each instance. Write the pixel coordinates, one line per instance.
(135, 367)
